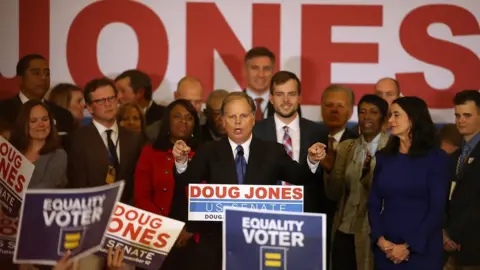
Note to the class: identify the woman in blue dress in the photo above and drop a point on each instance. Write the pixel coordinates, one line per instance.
(409, 192)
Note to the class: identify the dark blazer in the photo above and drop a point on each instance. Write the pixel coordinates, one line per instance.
(88, 159)
(154, 113)
(310, 133)
(214, 162)
(463, 215)
(10, 108)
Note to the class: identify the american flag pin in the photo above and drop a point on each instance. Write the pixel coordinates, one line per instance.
(470, 160)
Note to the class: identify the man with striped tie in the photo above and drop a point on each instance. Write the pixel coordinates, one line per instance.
(286, 126)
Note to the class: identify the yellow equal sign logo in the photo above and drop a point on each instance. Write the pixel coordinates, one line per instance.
(273, 258)
(72, 240)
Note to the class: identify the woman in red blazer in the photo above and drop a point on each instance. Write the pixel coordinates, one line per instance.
(155, 190)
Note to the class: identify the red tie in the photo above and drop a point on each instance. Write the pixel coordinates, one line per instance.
(258, 113)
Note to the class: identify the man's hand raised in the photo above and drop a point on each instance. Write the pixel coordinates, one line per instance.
(316, 152)
(180, 151)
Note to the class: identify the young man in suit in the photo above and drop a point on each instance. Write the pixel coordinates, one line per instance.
(136, 86)
(462, 234)
(286, 126)
(34, 73)
(238, 159)
(102, 152)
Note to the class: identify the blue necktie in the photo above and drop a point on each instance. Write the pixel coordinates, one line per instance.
(240, 164)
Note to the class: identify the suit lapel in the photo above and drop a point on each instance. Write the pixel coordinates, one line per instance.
(226, 162)
(124, 150)
(254, 162)
(303, 140)
(98, 146)
(469, 164)
(270, 129)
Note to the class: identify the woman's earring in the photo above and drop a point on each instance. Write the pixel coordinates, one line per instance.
(192, 135)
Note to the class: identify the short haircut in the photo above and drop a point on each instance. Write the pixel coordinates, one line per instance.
(138, 80)
(379, 102)
(236, 96)
(221, 93)
(467, 95)
(187, 78)
(397, 84)
(340, 88)
(20, 137)
(24, 63)
(94, 85)
(163, 140)
(61, 94)
(282, 77)
(449, 132)
(260, 52)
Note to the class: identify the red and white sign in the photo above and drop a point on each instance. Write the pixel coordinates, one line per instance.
(430, 46)
(207, 202)
(15, 173)
(147, 238)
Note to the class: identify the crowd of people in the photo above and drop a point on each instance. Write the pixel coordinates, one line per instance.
(398, 192)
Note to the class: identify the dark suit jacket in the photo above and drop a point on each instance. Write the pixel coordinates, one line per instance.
(463, 215)
(154, 113)
(310, 133)
(88, 159)
(214, 163)
(10, 108)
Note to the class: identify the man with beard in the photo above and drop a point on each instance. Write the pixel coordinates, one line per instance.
(214, 129)
(286, 126)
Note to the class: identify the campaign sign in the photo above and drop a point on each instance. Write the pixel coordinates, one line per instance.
(146, 238)
(206, 202)
(8, 234)
(15, 173)
(267, 240)
(53, 221)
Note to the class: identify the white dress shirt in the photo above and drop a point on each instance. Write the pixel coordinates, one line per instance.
(24, 98)
(337, 137)
(264, 105)
(102, 130)
(147, 107)
(293, 132)
(182, 167)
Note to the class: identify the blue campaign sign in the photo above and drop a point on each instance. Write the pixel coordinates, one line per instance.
(273, 240)
(55, 221)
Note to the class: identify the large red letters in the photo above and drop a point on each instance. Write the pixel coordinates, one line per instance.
(318, 51)
(84, 31)
(34, 23)
(207, 31)
(463, 63)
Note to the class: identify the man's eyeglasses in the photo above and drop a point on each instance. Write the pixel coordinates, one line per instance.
(102, 101)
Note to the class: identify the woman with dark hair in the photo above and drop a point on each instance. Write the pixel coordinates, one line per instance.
(155, 189)
(35, 136)
(349, 183)
(409, 192)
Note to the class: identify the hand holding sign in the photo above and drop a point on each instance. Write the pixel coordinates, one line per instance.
(316, 152)
(115, 258)
(180, 151)
(64, 263)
